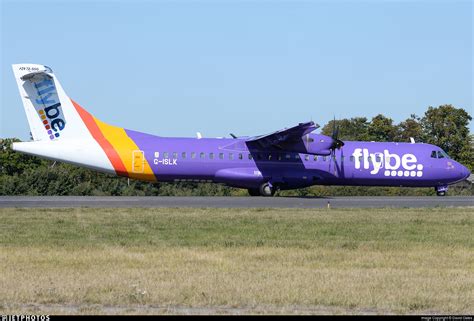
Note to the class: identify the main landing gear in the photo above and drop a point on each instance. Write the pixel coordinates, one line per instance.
(266, 189)
(441, 190)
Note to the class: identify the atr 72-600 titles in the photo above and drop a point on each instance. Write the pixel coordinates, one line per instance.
(286, 159)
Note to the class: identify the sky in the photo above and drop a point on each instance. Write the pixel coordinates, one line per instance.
(173, 68)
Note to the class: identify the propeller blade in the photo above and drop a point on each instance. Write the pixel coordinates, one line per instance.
(336, 142)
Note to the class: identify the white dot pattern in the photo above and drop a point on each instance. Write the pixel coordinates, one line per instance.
(403, 173)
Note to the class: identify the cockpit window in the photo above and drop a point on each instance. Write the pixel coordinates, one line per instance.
(442, 154)
(439, 154)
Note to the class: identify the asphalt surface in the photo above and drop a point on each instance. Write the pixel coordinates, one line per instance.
(232, 202)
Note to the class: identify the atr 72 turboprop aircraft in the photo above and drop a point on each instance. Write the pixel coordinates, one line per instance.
(286, 159)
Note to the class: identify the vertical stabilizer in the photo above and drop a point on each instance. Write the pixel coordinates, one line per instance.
(50, 112)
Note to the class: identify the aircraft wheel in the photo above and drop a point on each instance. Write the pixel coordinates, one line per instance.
(441, 190)
(254, 192)
(267, 190)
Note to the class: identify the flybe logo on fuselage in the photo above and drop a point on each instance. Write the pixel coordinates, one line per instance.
(49, 108)
(391, 164)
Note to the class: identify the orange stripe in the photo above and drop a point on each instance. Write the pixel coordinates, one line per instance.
(103, 142)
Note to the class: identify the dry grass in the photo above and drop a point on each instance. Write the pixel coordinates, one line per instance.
(237, 261)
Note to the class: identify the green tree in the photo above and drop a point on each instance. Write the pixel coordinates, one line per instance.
(411, 127)
(466, 154)
(12, 162)
(349, 129)
(382, 129)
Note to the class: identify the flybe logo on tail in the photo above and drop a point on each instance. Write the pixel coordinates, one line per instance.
(391, 164)
(49, 108)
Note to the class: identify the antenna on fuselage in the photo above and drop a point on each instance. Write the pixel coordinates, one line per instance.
(233, 136)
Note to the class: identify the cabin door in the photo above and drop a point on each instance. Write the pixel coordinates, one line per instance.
(138, 161)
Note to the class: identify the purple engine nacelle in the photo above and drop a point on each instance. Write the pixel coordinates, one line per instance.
(314, 144)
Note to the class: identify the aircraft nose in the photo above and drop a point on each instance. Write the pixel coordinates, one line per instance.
(465, 172)
(460, 172)
(457, 172)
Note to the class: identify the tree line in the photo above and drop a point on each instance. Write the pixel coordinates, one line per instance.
(445, 126)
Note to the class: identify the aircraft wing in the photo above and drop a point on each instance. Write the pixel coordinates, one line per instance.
(282, 138)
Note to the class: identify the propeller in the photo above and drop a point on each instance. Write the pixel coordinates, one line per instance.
(336, 144)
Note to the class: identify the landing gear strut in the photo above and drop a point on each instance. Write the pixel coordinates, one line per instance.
(441, 190)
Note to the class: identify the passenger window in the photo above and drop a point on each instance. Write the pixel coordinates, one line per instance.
(269, 156)
(324, 158)
(175, 155)
(352, 158)
(193, 155)
(297, 156)
(221, 155)
(433, 154)
(165, 155)
(315, 158)
(279, 157)
(231, 156)
(183, 155)
(202, 155)
(342, 158)
(378, 159)
(211, 155)
(241, 156)
(287, 156)
(250, 156)
(306, 157)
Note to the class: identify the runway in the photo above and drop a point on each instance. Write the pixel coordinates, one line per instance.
(232, 202)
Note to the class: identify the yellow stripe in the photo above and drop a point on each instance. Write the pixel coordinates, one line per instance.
(125, 146)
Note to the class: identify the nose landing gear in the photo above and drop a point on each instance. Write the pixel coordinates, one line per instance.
(441, 190)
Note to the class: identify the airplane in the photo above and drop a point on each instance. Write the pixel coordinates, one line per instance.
(290, 158)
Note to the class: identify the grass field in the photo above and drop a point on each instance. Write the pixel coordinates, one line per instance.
(237, 261)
